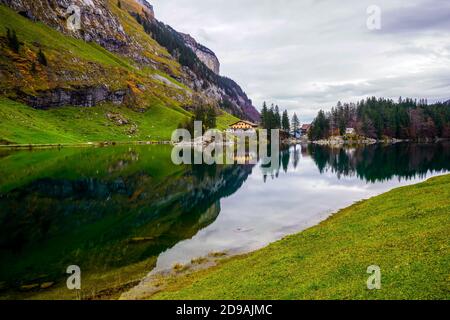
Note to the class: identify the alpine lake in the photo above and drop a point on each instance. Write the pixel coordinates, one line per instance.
(122, 212)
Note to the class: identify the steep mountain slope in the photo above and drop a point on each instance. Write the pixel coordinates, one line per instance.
(111, 61)
(206, 55)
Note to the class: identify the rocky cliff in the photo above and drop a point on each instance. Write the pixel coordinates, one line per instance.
(97, 21)
(201, 78)
(135, 69)
(207, 56)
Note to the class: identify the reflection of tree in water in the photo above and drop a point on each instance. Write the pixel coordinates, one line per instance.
(284, 156)
(92, 218)
(379, 163)
(296, 156)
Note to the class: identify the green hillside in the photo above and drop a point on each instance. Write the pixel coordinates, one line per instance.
(20, 124)
(152, 115)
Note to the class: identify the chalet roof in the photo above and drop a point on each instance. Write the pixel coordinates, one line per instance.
(306, 127)
(245, 121)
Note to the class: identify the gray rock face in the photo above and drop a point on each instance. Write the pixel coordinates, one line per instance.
(147, 7)
(207, 56)
(80, 97)
(97, 22)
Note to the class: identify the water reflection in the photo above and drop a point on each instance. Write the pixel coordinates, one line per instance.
(121, 212)
(301, 192)
(380, 163)
(106, 210)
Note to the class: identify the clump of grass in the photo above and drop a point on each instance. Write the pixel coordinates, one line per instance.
(199, 260)
(179, 267)
(217, 254)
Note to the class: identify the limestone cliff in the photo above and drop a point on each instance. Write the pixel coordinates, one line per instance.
(207, 56)
(98, 23)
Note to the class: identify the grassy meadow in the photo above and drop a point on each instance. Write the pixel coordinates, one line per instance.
(404, 232)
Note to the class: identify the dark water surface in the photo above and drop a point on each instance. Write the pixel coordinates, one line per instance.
(122, 212)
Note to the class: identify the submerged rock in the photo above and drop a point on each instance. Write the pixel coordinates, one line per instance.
(29, 287)
(47, 285)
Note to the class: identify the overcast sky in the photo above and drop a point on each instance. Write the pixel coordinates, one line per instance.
(308, 54)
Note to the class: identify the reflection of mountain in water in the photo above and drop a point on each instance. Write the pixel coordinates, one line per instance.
(119, 215)
(379, 163)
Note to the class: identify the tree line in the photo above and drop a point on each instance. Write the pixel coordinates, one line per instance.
(379, 118)
(206, 114)
(271, 118)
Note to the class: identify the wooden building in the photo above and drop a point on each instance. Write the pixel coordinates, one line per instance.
(304, 130)
(243, 125)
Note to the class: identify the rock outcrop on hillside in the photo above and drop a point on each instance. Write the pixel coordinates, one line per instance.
(147, 7)
(201, 78)
(98, 23)
(206, 55)
(81, 97)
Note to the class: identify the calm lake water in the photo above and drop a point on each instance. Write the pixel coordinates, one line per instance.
(122, 212)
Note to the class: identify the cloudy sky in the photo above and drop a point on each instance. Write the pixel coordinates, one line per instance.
(308, 54)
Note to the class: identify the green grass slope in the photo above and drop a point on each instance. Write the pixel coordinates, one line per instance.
(405, 232)
(20, 124)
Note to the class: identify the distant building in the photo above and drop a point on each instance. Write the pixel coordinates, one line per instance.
(350, 131)
(243, 125)
(296, 134)
(304, 130)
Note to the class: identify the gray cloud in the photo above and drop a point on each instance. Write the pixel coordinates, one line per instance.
(306, 55)
(418, 17)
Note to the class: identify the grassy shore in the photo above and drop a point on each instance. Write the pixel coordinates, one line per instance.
(405, 232)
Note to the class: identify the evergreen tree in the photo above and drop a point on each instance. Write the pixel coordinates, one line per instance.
(264, 114)
(210, 118)
(42, 59)
(207, 115)
(295, 123)
(286, 126)
(119, 4)
(271, 119)
(13, 41)
(277, 118)
(320, 127)
(33, 68)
